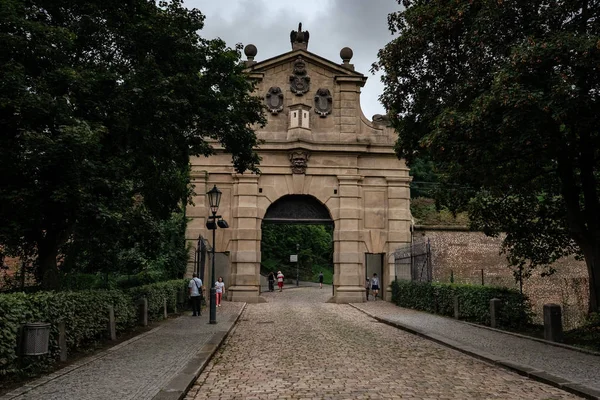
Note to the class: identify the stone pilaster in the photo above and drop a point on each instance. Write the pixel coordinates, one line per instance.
(245, 255)
(348, 259)
(398, 222)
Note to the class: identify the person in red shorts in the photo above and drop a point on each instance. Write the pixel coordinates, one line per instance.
(280, 280)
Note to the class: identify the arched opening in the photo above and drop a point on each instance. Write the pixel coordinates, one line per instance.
(301, 226)
(298, 208)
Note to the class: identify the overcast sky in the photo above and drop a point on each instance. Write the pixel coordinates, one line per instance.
(333, 24)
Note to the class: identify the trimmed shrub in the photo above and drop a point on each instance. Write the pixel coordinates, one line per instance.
(156, 293)
(85, 314)
(474, 301)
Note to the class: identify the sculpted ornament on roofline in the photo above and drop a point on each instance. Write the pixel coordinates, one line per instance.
(299, 82)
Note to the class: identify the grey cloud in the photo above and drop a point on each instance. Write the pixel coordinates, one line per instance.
(359, 24)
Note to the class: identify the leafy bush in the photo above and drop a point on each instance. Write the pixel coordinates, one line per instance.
(425, 212)
(85, 316)
(156, 293)
(474, 301)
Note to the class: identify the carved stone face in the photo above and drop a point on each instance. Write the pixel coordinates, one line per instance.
(299, 160)
(299, 66)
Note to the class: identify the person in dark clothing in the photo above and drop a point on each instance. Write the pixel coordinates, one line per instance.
(375, 286)
(271, 282)
(196, 289)
(321, 280)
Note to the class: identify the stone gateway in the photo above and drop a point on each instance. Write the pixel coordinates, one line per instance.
(318, 148)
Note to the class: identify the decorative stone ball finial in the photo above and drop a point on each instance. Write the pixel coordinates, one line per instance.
(250, 51)
(346, 54)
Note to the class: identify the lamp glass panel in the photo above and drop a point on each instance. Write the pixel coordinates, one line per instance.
(214, 198)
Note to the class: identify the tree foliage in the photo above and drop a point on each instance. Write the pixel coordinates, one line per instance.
(315, 251)
(101, 105)
(503, 97)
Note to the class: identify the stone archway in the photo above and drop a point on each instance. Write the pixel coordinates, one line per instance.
(294, 209)
(317, 144)
(298, 208)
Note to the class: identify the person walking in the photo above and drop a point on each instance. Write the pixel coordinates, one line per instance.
(321, 280)
(368, 287)
(220, 287)
(280, 280)
(196, 289)
(375, 286)
(271, 279)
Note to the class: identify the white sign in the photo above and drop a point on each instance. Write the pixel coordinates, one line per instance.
(293, 257)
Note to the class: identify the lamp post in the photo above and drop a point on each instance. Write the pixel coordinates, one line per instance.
(214, 198)
(297, 263)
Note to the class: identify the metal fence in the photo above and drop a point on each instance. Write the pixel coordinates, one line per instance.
(413, 262)
(200, 256)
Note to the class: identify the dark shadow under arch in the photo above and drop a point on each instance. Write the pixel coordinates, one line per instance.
(298, 208)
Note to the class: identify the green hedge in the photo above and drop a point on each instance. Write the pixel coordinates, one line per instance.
(156, 293)
(84, 313)
(474, 301)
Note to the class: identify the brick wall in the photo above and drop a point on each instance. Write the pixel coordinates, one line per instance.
(13, 265)
(466, 254)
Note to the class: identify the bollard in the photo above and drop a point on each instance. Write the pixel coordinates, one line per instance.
(62, 340)
(456, 310)
(494, 311)
(112, 324)
(553, 323)
(143, 311)
(165, 312)
(181, 296)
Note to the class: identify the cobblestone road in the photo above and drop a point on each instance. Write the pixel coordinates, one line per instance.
(299, 347)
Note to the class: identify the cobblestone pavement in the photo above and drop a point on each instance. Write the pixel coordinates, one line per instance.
(136, 369)
(296, 346)
(572, 365)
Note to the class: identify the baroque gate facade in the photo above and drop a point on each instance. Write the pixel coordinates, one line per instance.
(317, 144)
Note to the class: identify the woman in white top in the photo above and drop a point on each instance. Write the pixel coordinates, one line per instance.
(220, 286)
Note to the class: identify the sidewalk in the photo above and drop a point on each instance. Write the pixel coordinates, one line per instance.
(160, 364)
(575, 371)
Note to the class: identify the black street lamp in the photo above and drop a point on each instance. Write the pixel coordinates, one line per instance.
(214, 198)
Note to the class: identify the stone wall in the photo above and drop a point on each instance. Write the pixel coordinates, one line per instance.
(466, 254)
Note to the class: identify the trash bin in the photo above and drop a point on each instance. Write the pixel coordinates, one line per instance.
(36, 336)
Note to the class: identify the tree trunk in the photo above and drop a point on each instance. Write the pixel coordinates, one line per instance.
(47, 268)
(592, 260)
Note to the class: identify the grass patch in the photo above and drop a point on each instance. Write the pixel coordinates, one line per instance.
(586, 337)
(327, 276)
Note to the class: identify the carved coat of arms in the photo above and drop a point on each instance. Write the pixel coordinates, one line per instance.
(274, 100)
(323, 102)
(299, 160)
(299, 82)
